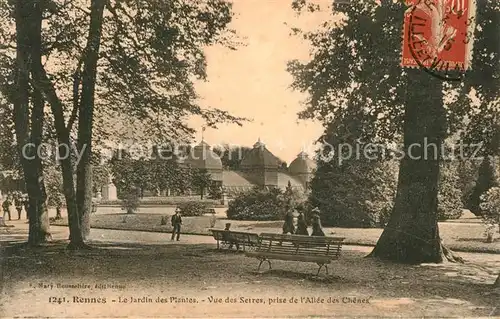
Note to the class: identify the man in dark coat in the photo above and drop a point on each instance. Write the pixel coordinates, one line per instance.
(18, 202)
(176, 224)
(6, 207)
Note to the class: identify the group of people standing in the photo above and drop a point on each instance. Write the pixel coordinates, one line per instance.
(301, 229)
(19, 200)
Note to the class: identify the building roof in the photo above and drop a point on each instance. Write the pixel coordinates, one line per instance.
(235, 179)
(259, 156)
(202, 156)
(235, 183)
(302, 164)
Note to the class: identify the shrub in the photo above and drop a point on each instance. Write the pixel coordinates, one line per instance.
(450, 205)
(214, 192)
(355, 194)
(193, 208)
(486, 179)
(130, 201)
(257, 204)
(490, 207)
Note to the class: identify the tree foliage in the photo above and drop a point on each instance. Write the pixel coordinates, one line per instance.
(258, 204)
(487, 178)
(490, 206)
(449, 194)
(355, 69)
(201, 180)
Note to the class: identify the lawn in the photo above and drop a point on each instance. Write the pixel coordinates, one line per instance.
(457, 236)
(162, 280)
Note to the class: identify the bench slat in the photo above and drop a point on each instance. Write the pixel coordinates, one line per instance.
(304, 258)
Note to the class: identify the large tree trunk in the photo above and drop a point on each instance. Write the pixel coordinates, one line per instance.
(85, 116)
(28, 33)
(412, 234)
(45, 84)
(37, 120)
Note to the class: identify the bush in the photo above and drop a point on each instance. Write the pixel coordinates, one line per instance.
(130, 201)
(486, 179)
(357, 194)
(215, 192)
(450, 205)
(193, 208)
(258, 204)
(490, 207)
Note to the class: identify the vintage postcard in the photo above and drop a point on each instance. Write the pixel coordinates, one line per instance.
(249, 158)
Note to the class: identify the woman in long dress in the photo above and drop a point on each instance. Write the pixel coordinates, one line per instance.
(317, 230)
(288, 226)
(301, 225)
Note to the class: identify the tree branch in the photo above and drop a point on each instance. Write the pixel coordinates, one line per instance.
(76, 91)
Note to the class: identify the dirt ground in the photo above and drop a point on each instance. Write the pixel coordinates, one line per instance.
(121, 276)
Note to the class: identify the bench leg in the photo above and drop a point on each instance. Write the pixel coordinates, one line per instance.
(261, 261)
(321, 266)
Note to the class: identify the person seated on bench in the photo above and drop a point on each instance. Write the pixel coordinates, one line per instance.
(228, 239)
(301, 225)
(316, 223)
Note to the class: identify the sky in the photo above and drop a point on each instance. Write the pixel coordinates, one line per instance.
(252, 81)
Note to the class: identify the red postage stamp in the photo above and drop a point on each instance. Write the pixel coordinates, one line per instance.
(438, 34)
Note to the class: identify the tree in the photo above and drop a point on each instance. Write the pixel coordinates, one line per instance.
(29, 120)
(201, 180)
(355, 62)
(350, 190)
(449, 194)
(467, 170)
(86, 98)
(483, 127)
(486, 179)
(142, 63)
(231, 156)
(490, 206)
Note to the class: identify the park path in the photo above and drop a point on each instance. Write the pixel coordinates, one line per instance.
(19, 233)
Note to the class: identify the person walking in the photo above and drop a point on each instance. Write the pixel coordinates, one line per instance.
(316, 223)
(301, 225)
(176, 223)
(6, 207)
(26, 203)
(18, 202)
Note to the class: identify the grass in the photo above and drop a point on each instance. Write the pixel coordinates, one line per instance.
(457, 236)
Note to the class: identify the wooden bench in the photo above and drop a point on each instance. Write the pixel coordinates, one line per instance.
(316, 249)
(228, 237)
